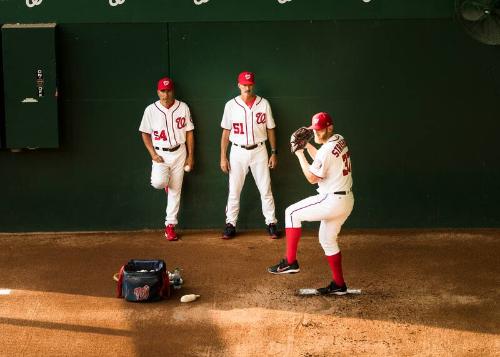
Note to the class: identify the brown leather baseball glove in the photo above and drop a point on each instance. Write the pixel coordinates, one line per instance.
(300, 138)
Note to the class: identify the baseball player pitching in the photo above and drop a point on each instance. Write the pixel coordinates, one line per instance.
(166, 128)
(247, 123)
(331, 170)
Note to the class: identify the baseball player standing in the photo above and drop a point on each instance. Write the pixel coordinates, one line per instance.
(247, 123)
(166, 127)
(331, 170)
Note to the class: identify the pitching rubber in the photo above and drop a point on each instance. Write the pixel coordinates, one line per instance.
(313, 292)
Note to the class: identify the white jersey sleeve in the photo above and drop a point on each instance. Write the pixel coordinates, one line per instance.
(320, 165)
(145, 126)
(226, 118)
(270, 124)
(189, 120)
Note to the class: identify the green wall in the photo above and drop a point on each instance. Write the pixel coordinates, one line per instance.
(2, 105)
(415, 99)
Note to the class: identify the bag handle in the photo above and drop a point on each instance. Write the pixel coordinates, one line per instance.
(165, 288)
(119, 282)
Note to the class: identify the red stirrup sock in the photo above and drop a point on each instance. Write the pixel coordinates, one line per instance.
(335, 262)
(292, 243)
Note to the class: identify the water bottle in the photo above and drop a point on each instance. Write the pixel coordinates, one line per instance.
(176, 277)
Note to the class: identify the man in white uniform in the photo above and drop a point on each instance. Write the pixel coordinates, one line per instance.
(166, 128)
(247, 123)
(331, 170)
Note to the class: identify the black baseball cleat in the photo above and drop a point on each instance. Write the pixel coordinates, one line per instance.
(272, 230)
(284, 268)
(333, 289)
(229, 231)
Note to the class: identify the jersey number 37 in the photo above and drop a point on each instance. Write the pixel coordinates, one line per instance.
(347, 163)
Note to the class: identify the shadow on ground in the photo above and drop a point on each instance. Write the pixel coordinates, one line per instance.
(415, 280)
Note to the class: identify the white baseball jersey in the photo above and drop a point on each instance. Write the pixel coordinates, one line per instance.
(167, 126)
(248, 126)
(333, 164)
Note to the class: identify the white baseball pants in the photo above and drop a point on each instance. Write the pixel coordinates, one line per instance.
(256, 160)
(332, 210)
(170, 173)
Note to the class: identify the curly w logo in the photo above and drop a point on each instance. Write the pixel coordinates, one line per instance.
(116, 2)
(142, 293)
(32, 3)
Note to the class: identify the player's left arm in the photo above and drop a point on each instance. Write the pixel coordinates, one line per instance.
(189, 138)
(190, 148)
(273, 159)
(304, 165)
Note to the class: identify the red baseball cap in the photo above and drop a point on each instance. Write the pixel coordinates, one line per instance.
(246, 78)
(320, 121)
(165, 84)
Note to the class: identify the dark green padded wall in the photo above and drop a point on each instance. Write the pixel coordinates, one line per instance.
(414, 98)
(98, 179)
(2, 104)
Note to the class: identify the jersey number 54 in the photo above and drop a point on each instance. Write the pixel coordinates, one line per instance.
(160, 135)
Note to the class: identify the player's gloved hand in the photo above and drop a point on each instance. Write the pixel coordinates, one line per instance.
(300, 138)
(224, 165)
